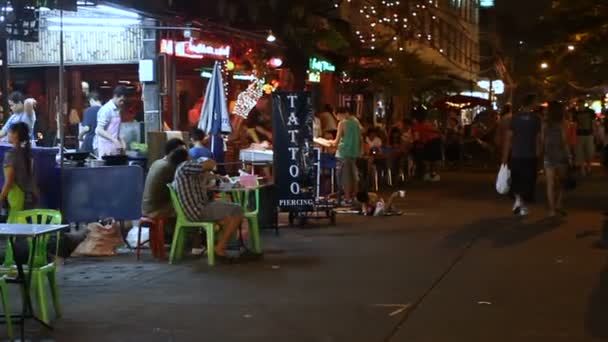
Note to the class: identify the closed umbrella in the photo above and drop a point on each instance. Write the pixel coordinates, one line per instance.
(215, 118)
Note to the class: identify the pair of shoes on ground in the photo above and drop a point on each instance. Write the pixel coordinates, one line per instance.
(432, 177)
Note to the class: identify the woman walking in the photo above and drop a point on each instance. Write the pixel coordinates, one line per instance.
(557, 156)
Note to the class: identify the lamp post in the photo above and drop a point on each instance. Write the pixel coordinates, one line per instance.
(60, 108)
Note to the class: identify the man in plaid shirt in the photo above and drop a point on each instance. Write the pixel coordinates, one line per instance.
(192, 182)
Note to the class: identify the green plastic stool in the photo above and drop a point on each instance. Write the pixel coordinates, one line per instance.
(242, 199)
(42, 270)
(181, 227)
(6, 307)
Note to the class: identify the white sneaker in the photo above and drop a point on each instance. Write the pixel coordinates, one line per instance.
(436, 178)
(198, 251)
(523, 211)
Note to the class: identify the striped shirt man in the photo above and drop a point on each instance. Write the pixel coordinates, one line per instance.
(191, 187)
(193, 180)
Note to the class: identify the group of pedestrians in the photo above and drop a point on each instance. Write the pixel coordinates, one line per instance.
(561, 138)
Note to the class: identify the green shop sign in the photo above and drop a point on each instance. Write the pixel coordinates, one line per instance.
(320, 65)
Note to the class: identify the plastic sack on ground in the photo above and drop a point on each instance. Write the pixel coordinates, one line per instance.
(145, 237)
(503, 181)
(102, 240)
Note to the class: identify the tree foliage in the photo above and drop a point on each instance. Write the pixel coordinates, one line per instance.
(576, 32)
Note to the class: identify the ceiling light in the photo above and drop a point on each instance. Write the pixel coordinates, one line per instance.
(271, 37)
(95, 21)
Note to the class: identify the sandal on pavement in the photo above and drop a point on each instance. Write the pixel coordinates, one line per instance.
(225, 259)
(250, 255)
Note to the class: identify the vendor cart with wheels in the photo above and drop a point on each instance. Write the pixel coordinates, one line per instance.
(322, 208)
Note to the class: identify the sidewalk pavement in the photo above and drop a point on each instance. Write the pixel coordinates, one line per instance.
(456, 267)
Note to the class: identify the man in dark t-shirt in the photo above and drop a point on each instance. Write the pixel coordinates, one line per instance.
(523, 145)
(89, 123)
(585, 144)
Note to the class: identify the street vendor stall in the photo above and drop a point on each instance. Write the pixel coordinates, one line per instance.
(86, 193)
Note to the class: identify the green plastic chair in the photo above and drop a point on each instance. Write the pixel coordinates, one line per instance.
(251, 214)
(6, 307)
(181, 227)
(42, 270)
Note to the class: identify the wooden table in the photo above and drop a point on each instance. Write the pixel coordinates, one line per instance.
(30, 231)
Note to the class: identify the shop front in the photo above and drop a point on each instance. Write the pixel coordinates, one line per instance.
(101, 49)
(102, 46)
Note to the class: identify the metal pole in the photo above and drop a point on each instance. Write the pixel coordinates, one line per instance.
(61, 90)
(4, 76)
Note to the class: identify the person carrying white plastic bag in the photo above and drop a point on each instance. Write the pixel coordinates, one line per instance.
(503, 181)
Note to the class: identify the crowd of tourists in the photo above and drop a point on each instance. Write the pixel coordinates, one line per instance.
(556, 139)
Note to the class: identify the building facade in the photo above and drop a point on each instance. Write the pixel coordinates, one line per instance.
(441, 32)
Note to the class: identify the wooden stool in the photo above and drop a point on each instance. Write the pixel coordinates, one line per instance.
(157, 236)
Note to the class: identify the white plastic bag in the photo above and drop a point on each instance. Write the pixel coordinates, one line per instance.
(503, 181)
(132, 236)
(379, 211)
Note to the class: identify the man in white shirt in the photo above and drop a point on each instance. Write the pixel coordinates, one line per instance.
(107, 133)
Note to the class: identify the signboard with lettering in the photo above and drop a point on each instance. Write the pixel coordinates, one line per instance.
(194, 50)
(295, 160)
(320, 65)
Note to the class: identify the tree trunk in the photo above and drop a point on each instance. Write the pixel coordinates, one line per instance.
(298, 64)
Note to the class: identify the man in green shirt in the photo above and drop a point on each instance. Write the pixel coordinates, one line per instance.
(349, 144)
(156, 199)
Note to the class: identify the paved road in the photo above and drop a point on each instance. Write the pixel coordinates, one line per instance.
(456, 267)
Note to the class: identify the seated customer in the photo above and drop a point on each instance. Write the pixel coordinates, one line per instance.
(193, 180)
(157, 200)
(199, 150)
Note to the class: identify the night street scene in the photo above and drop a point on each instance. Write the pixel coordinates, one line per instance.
(304, 170)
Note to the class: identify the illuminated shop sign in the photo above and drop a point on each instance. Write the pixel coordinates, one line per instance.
(193, 50)
(206, 73)
(321, 65)
(314, 76)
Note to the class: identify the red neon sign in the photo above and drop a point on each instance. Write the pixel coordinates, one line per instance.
(193, 50)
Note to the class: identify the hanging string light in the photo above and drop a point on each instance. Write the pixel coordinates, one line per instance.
(391, 24)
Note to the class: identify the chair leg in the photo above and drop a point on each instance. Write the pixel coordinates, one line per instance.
(254, 231)
(181, 243)
(52, 277)
(160, 238)
(376, 180)
(173, 256)
(41, 297)
(152, 239)
(7, 310)
(211, 246)
(139, 241)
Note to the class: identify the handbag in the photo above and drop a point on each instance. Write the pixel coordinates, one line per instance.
(503, 180)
